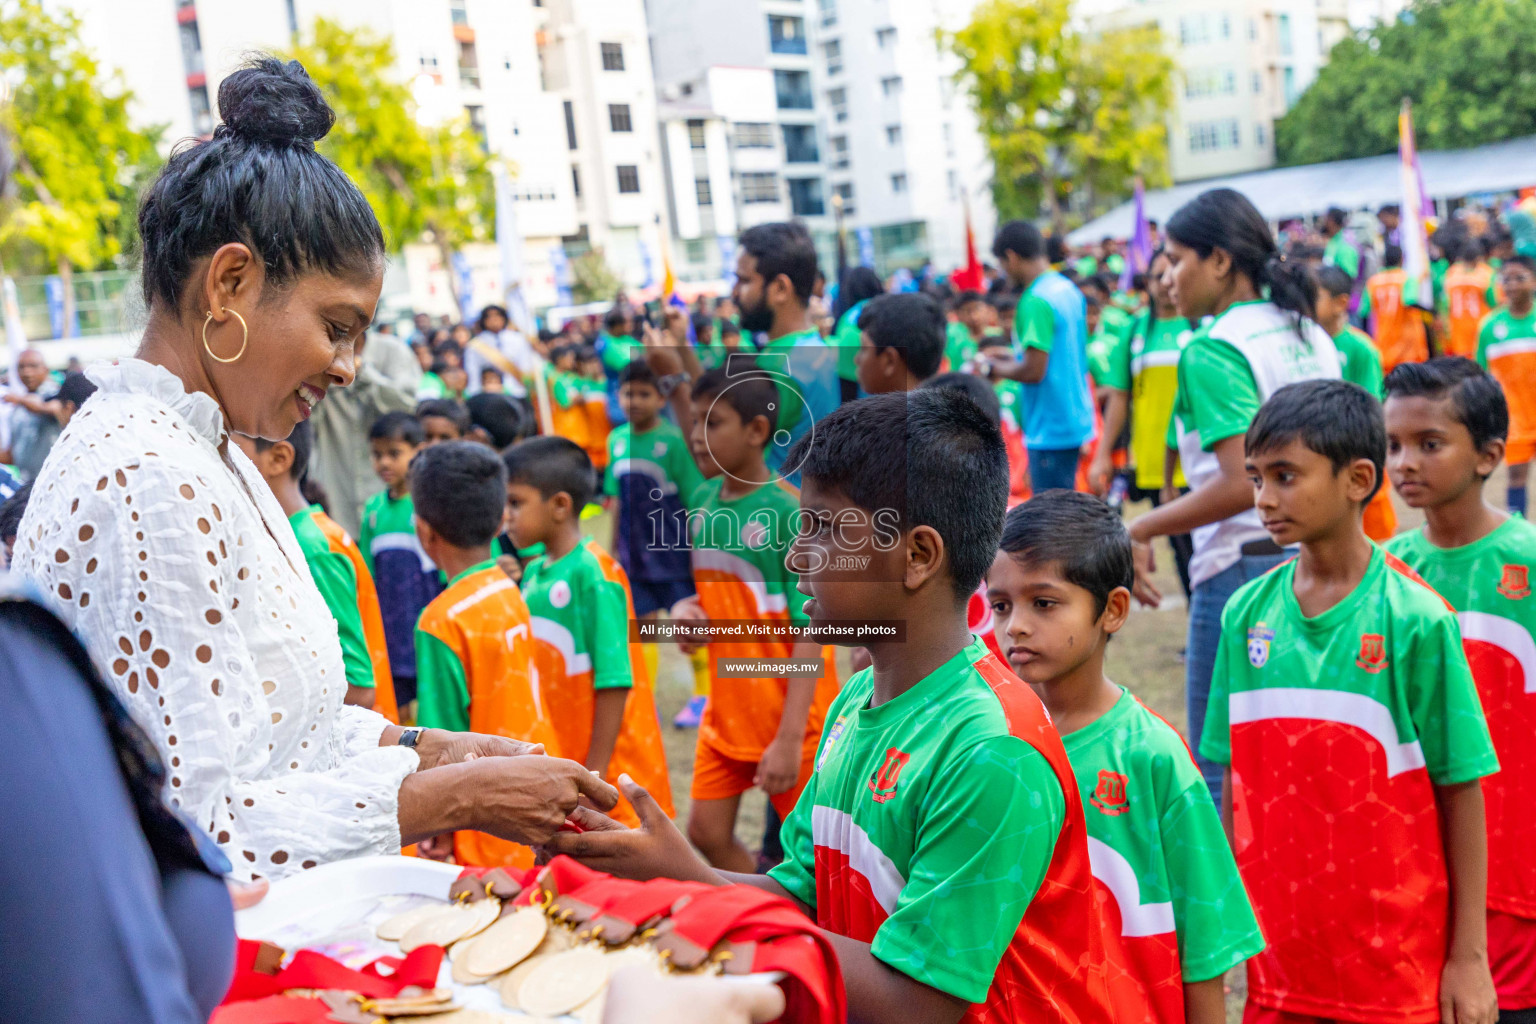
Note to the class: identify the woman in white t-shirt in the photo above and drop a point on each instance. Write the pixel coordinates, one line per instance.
(1257, 336)
(499, 347)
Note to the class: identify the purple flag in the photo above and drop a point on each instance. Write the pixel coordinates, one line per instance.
(1138, 254)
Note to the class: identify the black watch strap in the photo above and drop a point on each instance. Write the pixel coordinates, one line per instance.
(409, 737)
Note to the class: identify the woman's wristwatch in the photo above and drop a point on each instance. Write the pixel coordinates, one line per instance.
(409, 738)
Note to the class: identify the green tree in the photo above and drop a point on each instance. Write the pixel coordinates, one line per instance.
(1065, 113)
(1468, 65)
(79, 162)
(592, 280)
(426, 182)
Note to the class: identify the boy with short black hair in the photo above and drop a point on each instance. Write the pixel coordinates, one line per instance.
(1344, 710)
(405, 577)
(901, 342)
(592, 682)
(474, 648)
(1060, 588)
(442, 419)
(338, 567)
(758, 731)
(1506, 348)
(940, 843)
(652, 474)
(1446, 422)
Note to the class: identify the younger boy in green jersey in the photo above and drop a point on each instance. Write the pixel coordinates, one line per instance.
(592, 681)
(1346, 716)
(1175, 915)
(940, 844)
(901, 343)
(405, 577)
(1358, 356)
(442, 419)
(759, 731)
(1506, 348)
(1446, 422)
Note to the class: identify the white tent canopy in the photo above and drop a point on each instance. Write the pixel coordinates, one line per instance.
(1287, 192)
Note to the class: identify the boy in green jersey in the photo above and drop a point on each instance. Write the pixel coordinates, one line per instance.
(901, 343)
(1344, 711)
(940, 843)
(1506, 348)
(1359, 357)
(442, 419)
(1176, 917)
(1446, 423)
(406, 578)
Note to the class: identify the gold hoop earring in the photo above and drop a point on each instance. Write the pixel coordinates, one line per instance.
(245, 337)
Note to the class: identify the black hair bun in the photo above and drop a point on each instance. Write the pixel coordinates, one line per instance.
(275, 102)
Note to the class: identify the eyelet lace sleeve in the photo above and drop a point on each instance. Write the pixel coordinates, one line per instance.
(214, 637)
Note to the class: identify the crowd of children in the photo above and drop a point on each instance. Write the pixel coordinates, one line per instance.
(986, 825)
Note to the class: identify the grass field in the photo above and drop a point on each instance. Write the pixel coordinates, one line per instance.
(1146, 657)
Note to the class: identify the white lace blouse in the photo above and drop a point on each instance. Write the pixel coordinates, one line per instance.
(179, 571)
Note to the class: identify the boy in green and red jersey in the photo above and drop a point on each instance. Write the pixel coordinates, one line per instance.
(1446, 422)
(940, 843)
(593, 682)
(759, 731)
(1175, 915)
(1344, 710)
(337, 567)
(474, 643)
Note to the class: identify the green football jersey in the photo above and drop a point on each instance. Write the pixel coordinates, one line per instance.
(1337, 728)
(1180, 912)
(1489, 584)
(582, 615)
(845, 338)
(336, 579)
(959, 346)
(1360, 359)
(936, 827)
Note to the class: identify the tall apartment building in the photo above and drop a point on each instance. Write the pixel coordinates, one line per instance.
(903, 148)
(1241, 67)
(560, 89)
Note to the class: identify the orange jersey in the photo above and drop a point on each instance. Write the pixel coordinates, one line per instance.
(474, 672)
(581, 608)
(598, 426)
(739, 572)
(568, 408)
(368, 608)
(1506, 347)
(1470, 295)
(1397, 328)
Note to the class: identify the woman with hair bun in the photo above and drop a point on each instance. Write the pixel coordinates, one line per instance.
(167, 554)
(1222, 264)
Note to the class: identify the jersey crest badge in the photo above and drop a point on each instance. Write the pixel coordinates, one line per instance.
(1516, 582)
(835, 734)
(1373, 652)
(1258, 645)
(1110, 796)
(883, 782)
(560, 594)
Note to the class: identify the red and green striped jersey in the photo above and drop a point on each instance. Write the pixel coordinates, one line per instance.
(1174, 907)
(944, 828)
(1489, 583)
(1337, 728)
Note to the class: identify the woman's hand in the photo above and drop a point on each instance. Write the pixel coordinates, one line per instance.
(521, 799)
(438, 747)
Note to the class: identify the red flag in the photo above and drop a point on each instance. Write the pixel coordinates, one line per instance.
(970, 278)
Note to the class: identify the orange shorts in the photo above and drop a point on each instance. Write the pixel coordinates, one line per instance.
(1519, 452)
(717, 777)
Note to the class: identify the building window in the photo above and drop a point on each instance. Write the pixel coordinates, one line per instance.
(576, 180)
(759, 187)
(786, 35)
(893, 135)
(629, 178)
(618, 118)
(202, 113)
(1226, 26)
(191, 47)
(477, 122)
(885, 37)
(839, 144)
(457, 12)
(753, 135)
(837, 99)
(1283, 30)
(695, 134)
(1194, 29)
(899, 182)
(613, 56)
(1210, 136)
(570, 125)
(828, 12)
(833, 53)
(1288, 76)
(1203, 82)
(293, 18)
(805, 197)
(949, 139)
(845, 190)
(1258, 83)
(953, 179)
(701, 193)
(793, 89)
(469, 66)
(1259, 135)
(891, 86)
(800, 144)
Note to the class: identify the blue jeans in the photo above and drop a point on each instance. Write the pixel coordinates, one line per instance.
(1205, 608)
(1050, 468)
